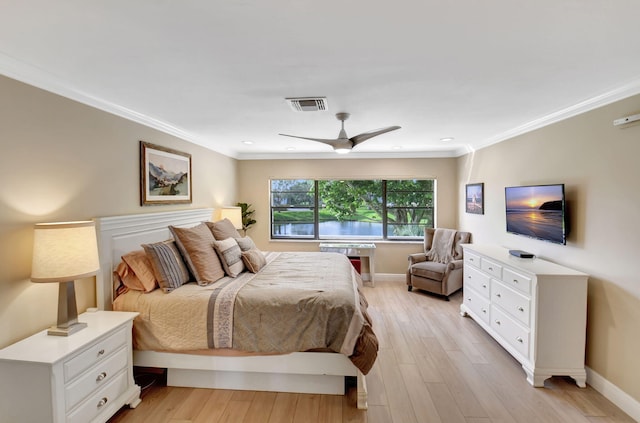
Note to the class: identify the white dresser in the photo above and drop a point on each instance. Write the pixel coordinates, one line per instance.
(535, 309)
(85, 377)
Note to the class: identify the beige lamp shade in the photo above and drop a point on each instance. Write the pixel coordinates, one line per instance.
(64, 251)
(234, 214)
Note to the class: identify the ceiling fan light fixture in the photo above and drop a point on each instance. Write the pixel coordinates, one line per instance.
(342, 150)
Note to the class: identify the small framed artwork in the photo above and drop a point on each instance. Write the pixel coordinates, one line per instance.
(165, 175)
(474, 198)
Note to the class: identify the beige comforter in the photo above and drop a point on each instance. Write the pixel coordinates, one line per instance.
(297, 302)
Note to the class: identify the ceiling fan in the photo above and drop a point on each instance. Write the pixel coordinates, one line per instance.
(344, 144)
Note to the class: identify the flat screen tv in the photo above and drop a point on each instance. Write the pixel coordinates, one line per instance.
(537, 211)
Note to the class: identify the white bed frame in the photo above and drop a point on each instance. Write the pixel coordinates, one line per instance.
(303, 372)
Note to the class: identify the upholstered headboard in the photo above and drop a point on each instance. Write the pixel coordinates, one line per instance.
(118, 235)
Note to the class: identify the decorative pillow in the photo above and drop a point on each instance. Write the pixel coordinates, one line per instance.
(254, 260)
(223, 229)
(246, 243)
(196, 246)
(230, 255)
(168, 267)
(138, 272)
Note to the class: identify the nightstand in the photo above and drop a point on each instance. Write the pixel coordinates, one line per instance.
(85, 377)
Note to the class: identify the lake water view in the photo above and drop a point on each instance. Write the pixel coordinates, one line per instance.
(330, 228)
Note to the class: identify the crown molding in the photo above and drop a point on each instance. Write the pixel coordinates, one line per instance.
(32, 75)
(629, 89)
(37, 77)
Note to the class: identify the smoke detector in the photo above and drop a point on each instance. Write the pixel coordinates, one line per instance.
(308, 104)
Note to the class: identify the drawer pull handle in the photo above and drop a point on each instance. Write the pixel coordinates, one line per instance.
(515, 281)
(484, 285)
(497, 322)
(470, 259)
(469, 299)
(498, 295)
(102, 402)
(484, 310)
(519, 339)
(101, 352)
(520, 309)
(490, 268)
(101, 376)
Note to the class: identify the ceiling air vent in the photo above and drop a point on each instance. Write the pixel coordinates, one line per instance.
(308, 104)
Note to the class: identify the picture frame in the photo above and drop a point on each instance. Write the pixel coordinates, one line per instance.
(474, 198)
(165, 175)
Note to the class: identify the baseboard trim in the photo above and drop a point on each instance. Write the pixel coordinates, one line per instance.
(614, 394)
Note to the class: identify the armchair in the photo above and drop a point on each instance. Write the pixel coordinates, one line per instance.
(438, 269)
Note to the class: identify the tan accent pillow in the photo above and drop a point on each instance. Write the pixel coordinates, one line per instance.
(246, 243)
(168, 266)
(196, 246)
(140, 277)
(223, 229)
(230, 256)
(254, 260)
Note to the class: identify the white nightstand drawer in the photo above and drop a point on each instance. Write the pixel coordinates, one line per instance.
(517, 305)
(516, 280)
(99, 400)
(510, 331)
(477, 304)
(94, 354)
(95, 377)
(491, 267)
(477, 280)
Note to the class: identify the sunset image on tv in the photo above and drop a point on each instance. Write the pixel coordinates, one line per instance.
(536, 211)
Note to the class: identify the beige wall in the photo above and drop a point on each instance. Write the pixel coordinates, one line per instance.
(391, 257)
(61, 160)
(599, 165)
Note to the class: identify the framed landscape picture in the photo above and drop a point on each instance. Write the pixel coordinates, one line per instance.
(165, 175)
(474, 198)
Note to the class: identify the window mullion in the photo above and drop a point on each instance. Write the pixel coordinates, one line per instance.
(384, 209)
(316, 210)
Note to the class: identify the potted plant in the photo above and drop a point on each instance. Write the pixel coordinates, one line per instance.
(247, 213)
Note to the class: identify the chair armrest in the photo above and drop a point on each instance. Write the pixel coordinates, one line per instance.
(417, 258)
(455, 264)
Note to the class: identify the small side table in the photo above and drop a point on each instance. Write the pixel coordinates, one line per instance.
(365, 251)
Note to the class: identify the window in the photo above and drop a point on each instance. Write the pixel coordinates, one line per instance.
(357, 209)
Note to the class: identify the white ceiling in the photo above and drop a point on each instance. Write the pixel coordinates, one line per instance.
(217, 72)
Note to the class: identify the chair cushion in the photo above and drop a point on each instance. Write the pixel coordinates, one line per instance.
(429, 270)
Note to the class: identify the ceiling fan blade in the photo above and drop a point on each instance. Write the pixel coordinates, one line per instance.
(331, 142)
(366, 135)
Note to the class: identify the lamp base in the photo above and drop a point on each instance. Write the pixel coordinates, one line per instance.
(66, 331)
(67, 312)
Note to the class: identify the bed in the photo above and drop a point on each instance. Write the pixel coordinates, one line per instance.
(228, 360)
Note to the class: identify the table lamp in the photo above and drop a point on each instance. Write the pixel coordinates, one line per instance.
(64, 252)
(234, 214)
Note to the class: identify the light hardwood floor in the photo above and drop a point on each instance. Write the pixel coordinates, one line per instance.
(433, 366)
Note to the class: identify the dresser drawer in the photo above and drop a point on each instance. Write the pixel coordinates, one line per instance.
(517, 280)
(99, 400)
(517, 305)
(94, 354)
(491, 267)
(476, 280)
(510, 331)
(477, 304)
(95, 377)
(472, 259)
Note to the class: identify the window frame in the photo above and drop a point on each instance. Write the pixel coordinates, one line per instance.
(384, 211)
